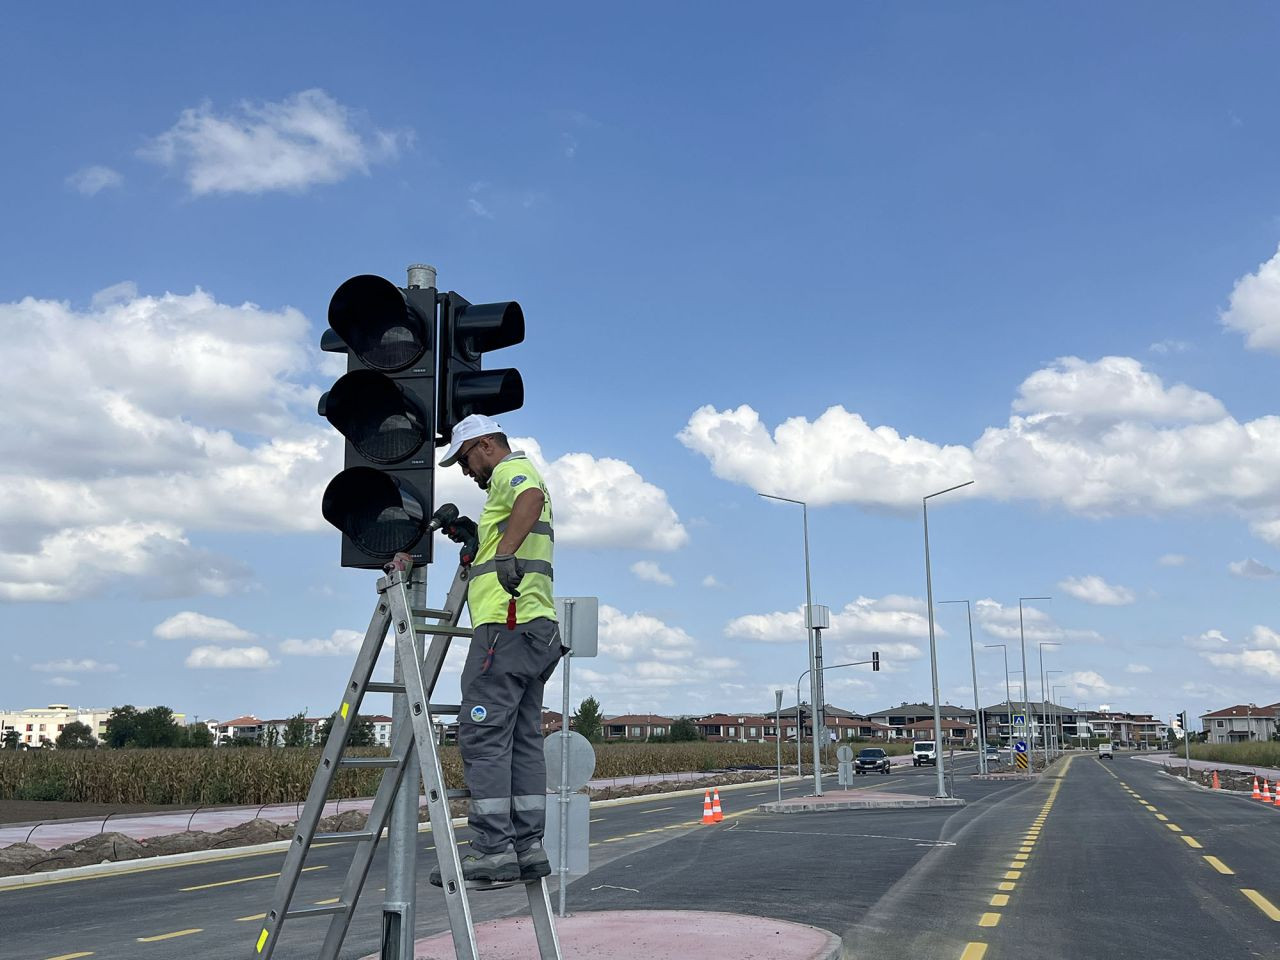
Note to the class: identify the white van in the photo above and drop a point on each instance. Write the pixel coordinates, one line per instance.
(1104, 750)
(924, 751)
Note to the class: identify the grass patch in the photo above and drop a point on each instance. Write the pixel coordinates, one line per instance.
(1259, 753)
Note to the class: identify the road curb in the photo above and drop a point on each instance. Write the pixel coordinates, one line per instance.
(812, 804)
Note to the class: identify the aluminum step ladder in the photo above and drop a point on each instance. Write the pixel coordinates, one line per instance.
(393, 611)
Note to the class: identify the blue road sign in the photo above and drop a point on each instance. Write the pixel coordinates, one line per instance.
(1020, 746)
(1019, 720)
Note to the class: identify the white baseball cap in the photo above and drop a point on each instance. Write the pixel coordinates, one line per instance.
(468, 428)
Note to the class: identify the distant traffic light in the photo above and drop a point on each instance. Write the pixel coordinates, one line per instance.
(384, 406)
(875, 660)
(467, 332)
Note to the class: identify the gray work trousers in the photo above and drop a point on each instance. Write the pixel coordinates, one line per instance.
(500, 731)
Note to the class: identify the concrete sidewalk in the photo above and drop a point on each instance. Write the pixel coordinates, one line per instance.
(647, 934)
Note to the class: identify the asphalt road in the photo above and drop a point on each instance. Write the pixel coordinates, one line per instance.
(1073, 865)
(211, 911)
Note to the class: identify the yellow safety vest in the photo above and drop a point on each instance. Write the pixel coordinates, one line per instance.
(513, 475)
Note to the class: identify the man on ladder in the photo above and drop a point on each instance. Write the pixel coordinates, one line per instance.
(514, 650)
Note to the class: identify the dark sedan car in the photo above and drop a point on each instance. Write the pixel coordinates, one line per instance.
(871, 760)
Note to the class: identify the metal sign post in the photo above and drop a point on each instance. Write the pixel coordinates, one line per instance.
(579, 631)
(777, 734)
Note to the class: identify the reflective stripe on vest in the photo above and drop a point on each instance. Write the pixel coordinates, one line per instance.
(539, 526)
(529, 566)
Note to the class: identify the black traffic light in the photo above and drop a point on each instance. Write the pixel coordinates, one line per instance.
(467, 332)
(875, 660)
(384, 405)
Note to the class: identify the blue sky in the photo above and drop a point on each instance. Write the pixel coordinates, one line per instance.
(851, 255)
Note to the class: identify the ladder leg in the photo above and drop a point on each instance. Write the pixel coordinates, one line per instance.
(544, 924)
(322, 780)
(455, 893)
(358, 872)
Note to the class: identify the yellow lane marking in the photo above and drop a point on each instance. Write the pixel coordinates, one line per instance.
(325, 903)
(1006, 885)
(72, 956)
(989, 920)
(256, 916)
(1162, 817)
(227, 883)
(1263, 904)
(1027, 847)
(1151, 809)
(1000, 900)
(1219, 865)
(1013, 874)
(1022, 856)
(1192, 842)
(170, 936)
(1174, 827)
(974, 951)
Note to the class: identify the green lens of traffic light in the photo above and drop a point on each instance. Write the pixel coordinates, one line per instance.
(378, 325)
(382, 420)
(490, 392)
(383, 515)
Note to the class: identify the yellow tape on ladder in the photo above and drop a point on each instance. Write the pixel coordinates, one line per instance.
(262, 940)
(345, 707)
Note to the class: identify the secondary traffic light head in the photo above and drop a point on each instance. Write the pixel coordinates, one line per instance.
(384, 407)
(875, 660)
(467, 332)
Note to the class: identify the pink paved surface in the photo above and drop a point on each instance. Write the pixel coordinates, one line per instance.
(646, 935)
(1167, 760)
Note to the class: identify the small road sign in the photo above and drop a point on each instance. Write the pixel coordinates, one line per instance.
(1019, 720)
(844, 753)
(1021, 760)
(1020, 746)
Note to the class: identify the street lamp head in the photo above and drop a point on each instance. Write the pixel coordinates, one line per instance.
(948, 490)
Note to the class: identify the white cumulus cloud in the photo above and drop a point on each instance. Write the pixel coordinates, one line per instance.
(94, 179)
(229, 658)
(303, 140)
(649, 571)
(339, 643)
(1093, 589)
(1098, 438)
(1251, 569)
(1002, 622)
(1254, 309)
(189, 625)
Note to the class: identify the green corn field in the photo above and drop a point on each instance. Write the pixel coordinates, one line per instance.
(1259, 753)
(197, 777)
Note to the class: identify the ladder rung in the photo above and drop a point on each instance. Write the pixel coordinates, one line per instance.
(367, 762)
(446, 709)
(327, 910)
(343, 836)
(429, 614)
(442, 630)
(379, 686)
(458, 794)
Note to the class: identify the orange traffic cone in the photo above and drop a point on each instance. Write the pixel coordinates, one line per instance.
(1277, 800)
(1266, 790)
(1216, 784)
(1257, 794)
(718, 814)
(707, 815)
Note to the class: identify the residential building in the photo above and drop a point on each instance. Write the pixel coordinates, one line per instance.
(845, 724)
(735, 727)
(37, 725)
(1241, 723)
(635, 726)
(899, 719)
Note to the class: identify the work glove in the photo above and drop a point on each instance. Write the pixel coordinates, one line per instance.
(463, 531)
(510, 572)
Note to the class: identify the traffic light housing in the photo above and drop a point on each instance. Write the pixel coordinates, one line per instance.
(875, 661)
(467, 332)
(384, 406)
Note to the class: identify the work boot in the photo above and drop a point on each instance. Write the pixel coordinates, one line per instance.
(485, 868)
(533, 862)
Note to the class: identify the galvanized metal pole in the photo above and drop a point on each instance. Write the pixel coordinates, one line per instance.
(815, 658)
(977, 704)
(777, 735)
(567, 628)
(399, 907)
(1186, 739)
(1026, 703)
(933, 661)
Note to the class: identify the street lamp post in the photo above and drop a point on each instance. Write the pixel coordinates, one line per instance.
(815, 649)
(834, 666)
(1008, 697)
(1026, 702)
(1053, 703)
(933, 646)
(1043, 705)
(977, 704)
